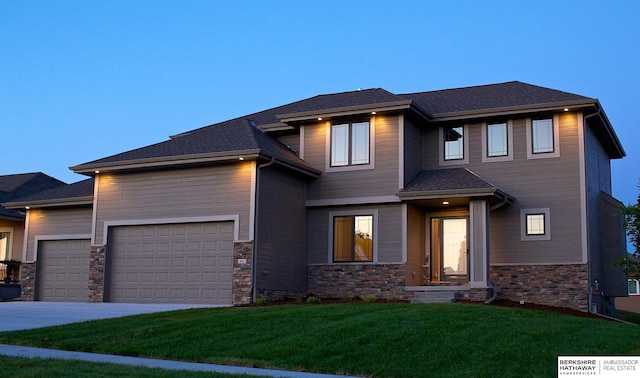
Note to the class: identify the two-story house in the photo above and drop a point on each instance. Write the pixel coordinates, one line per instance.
(500, 189)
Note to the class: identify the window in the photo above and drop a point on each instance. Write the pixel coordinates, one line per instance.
(5, 245)
(543, 137)
(350, 144)
(634, 287)
(353, 238)
(535, 224)
(454, 143)
(497, 140)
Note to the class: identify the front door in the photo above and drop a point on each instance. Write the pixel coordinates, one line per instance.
(449, 250)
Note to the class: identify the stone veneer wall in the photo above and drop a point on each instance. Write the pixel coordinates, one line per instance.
(242, 273)
(553, 285)
(96, 274)
(28, 281)
(341, 280)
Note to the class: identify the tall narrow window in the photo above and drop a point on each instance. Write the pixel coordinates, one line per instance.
(454, 143)
(542, 135)
(350, 144)
(497, 144)
(5, 238)
(353, 238)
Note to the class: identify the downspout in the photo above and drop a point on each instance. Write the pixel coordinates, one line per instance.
(254, 274)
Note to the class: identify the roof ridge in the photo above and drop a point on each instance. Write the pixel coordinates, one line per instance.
(466, 87)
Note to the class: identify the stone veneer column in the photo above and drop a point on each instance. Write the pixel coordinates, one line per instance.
(242, 272)
(28, 281)
(96, 273)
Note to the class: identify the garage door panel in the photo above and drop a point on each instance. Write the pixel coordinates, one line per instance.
(177, 263)
(63, 270)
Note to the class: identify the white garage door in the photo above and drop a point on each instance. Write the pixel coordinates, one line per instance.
(63, 270)
(171, 263)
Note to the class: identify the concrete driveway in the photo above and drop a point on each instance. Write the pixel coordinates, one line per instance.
(25, 315)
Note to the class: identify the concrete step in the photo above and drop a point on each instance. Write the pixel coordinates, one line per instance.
(434, 297)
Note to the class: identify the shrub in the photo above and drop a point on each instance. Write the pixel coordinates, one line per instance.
(393, 299)
(369, 299)
(312, 300)
(261, 301)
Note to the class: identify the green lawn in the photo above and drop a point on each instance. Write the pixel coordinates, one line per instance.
(437, 340)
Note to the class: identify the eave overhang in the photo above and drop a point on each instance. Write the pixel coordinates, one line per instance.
(346, 111)
(167, 162)
(58, 202)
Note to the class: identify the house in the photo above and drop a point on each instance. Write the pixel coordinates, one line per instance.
(632, 302)
(495, 190)
(12, 225)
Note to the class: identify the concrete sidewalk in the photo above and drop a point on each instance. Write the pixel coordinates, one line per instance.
(29, 352)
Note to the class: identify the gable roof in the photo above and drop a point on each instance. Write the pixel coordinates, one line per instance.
(76, 194)
(20, 185)
(243, 137)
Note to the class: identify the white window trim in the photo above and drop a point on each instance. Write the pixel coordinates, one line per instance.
(556, 140)
(10, 244)
(359, 167)
(333, 214)
(485, 148)
(637, 282)
(465, 146)
(523, 224)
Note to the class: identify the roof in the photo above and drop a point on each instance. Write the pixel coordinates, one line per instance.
(76, 194)
(243, 137)
(450, 183)
(20, 185)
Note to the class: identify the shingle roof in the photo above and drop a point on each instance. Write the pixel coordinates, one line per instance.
(452, 179)
(79, 190)
(486, 97)
(20, 185)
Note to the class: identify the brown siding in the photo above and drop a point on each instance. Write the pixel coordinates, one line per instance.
(222, 190)
(415, 246)
(282, 228)
(58, 222)
(552, 183)
(381, 181)
(18, 238)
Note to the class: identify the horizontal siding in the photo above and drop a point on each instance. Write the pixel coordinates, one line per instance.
(381, 181)
(552, 183)
(415, 246)
(389, 236)
(292, 141)
(57, 222)
(412, 148)
(186, 193)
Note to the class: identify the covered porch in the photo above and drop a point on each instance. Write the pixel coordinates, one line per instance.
(448, 223)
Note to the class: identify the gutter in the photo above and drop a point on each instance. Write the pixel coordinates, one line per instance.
(254, 270)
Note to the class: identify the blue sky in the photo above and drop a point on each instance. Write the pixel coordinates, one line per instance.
(81, 80)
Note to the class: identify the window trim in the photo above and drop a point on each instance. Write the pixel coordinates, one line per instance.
(485, 142)
(373, 213)
(465, 146)
(555, 120)
(523, 224)
(9, 251)
(357, 167)
(637, 285)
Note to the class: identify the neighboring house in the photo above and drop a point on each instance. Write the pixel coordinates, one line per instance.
(12, 223)
(632, 302)
(350, 194)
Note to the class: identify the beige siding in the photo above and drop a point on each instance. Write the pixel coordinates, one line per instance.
(282, 230)
(57, 223)
(292, 141)
(552, 183)
(381, 181)
(389, 228)
(415, 246)
(185, 193)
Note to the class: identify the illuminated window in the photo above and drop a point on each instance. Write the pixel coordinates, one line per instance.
(353, 238)
(5, 245)
(535, 224)
(350, 144)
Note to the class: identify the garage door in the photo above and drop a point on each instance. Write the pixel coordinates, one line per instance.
(63, 270)
(171, 263)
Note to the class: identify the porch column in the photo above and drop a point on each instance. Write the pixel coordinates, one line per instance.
(479, 243)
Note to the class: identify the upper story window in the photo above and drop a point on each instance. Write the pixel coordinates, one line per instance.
(497, 141)
(350, 144)
(543, 137)
(454, 145)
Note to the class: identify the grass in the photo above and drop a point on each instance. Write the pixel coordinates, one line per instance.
(399, 340)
